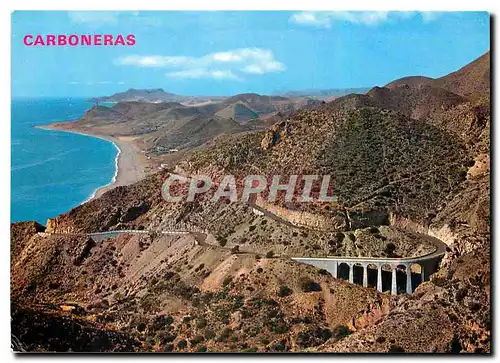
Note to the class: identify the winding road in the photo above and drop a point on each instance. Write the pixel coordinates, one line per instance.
(429, 263)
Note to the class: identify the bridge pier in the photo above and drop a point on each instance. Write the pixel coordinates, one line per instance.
(423, 272)
(379, 278)
(429, 264)
(409, 288)
(394, 285)
(334, 269)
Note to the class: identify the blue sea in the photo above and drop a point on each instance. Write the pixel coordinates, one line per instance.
(53, 171)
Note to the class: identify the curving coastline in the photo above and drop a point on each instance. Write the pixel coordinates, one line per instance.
(104, 188)
(130, 163)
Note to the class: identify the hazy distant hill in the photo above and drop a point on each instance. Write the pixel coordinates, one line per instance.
(148, 95)
(332, 92)
(154, 95)
(173, 123)
(249, 106)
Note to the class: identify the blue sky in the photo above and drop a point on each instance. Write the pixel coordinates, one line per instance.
(224, 53)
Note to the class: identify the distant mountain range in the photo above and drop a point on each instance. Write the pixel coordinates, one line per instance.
(164, 124)
(159, 95)
(167, 121)
(331, 92)
(154, 96)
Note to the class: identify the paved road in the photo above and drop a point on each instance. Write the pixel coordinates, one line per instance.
(200, 237)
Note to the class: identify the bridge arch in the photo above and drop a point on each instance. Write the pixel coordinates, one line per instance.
(384, 278)
(403, 284)
(358, 273)
(343, 271)
(387, 273)
(417, 271)
(372, 271)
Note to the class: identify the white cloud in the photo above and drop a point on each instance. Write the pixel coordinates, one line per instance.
(154, 61)
(93, 18)
(96, 19)
(325, 19)
(428, 16)
(318, 19)
(202, 73)
(231, 65)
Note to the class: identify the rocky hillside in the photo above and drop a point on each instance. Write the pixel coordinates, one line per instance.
(378, 160)
(418, 152)
(169, 294)
(160, 127)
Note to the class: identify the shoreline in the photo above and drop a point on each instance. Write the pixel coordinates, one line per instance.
(130, 164)
(113, 180)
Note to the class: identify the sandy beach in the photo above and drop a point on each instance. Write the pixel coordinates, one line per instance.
(131, 163)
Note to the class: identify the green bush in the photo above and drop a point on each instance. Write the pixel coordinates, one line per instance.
(396, 349)
(390, 248)
(284, 291)
(227, 280)
(340, 331)
(196, 340)
(308, 285)
(182, 344)
(201, 323)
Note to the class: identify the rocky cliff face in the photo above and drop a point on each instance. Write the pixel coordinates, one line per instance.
(302, 218)
(275, 134)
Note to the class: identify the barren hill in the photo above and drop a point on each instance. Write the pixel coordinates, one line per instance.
(163, 126)
(417, 101)
(373, 156)
(411, 81)
(472, 80)
(457, 103)
(250, 106)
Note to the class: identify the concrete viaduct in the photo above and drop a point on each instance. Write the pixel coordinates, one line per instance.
(338, 266)
(344, 267)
